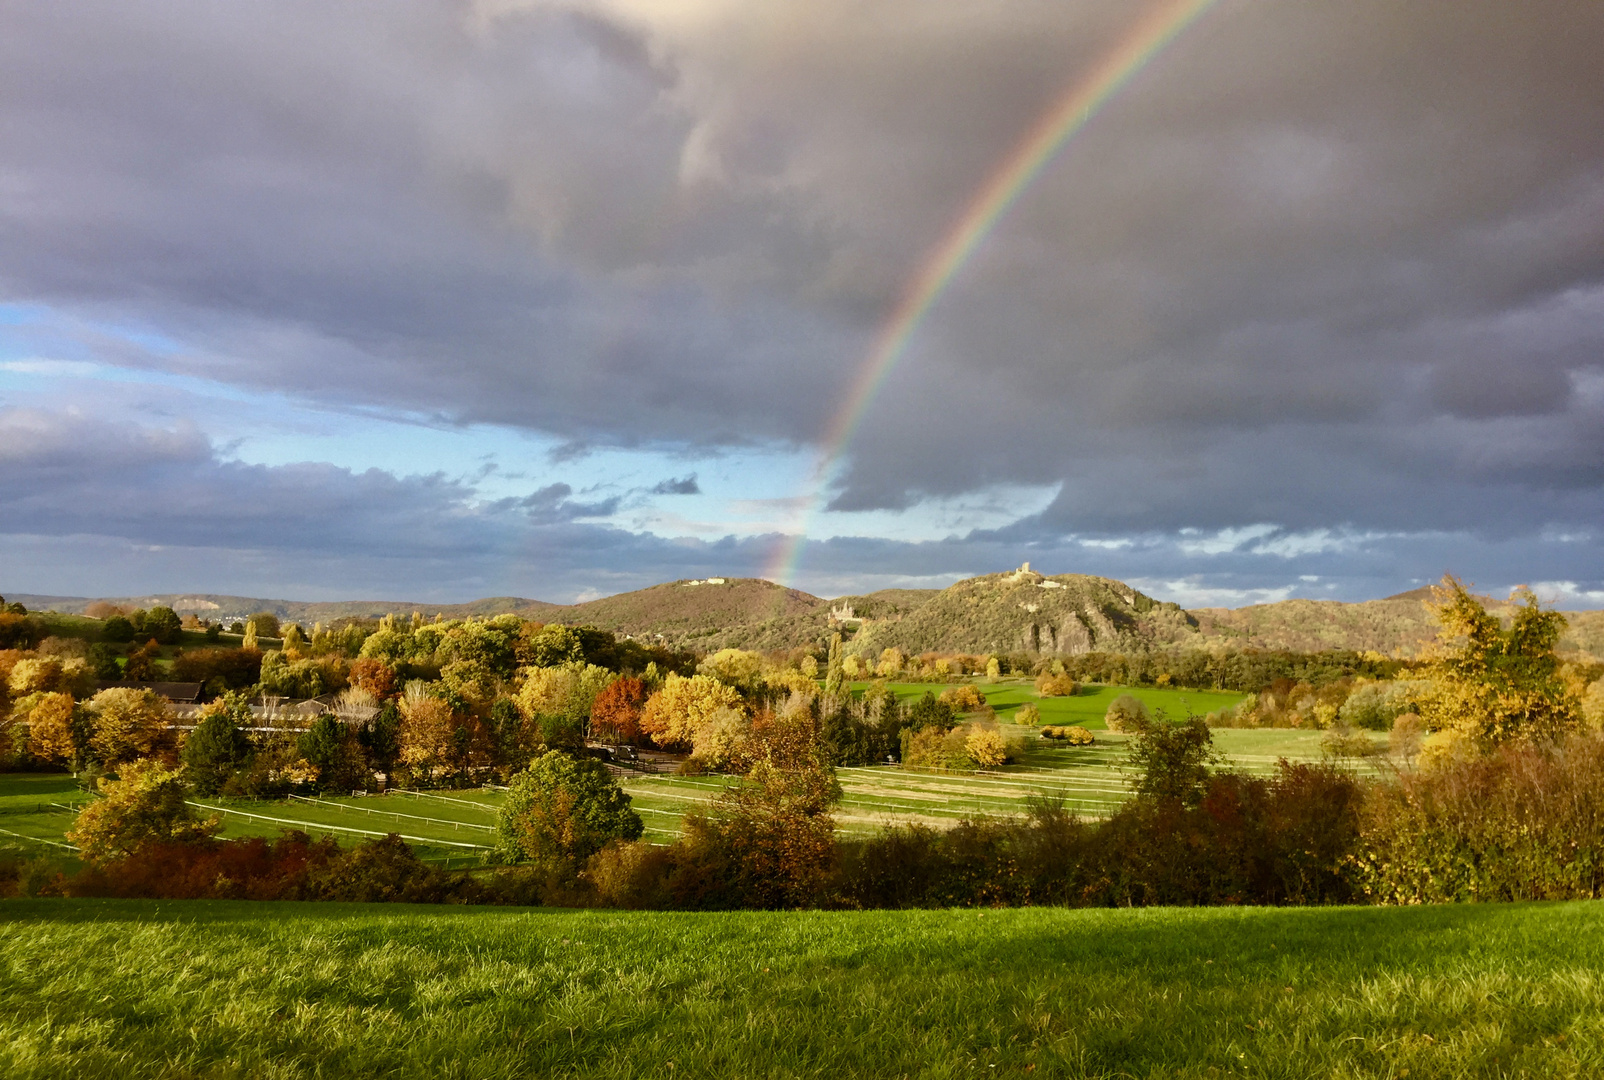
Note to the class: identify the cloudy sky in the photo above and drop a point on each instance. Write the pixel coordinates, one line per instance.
(435, 300)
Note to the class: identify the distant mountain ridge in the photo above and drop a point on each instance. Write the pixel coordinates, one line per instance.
(1019, 611)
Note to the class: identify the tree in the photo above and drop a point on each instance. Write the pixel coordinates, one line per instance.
(128, 724)
(425, 734)
(770, 840)
(1172, 759)
(217, 748)
(141, 665)
(734, 667)
(563, 808)
(117, 628)
(1125, 713)
(615, 717)
(323, 746)
(163, 625)
(682, 707)
(50, 729)
(265, 623)
(1491, 684)
(834, 677)
(250, 636)
(145, 803)
(985, 747)
(568, 691)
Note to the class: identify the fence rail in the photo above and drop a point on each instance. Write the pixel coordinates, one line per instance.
(313, 826)
(393, 814)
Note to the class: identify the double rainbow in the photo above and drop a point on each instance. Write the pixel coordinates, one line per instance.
(1046, 138)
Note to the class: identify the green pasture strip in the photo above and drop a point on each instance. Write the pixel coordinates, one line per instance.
(399, 818)
(114, 989)
(312, 826)
(33, 789)
(33, 839)
(477, 816)
(485, 805)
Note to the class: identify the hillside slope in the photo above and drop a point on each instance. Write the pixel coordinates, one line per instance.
(1011, 612)
(1027, 612)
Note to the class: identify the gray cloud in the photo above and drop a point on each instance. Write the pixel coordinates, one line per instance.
(1326, 267)
(685, 485)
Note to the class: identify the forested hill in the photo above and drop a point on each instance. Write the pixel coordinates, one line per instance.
(1014, 612)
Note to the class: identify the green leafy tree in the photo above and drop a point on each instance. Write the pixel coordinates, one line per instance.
(564, 808)
(146, 802)
(118, 629)
(163, 625)
(834, 675)
(1172, 760)
(218, 747)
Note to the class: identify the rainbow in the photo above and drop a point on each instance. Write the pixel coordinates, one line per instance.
(1040, 145)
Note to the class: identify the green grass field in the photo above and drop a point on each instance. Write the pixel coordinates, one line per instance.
(454, 827)
(143, 989)
(1085, 708)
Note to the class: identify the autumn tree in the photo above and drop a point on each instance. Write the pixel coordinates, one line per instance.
(1490, 683)
(51, 732)
(426, 734)
(128, 724)
(771, 838)
(145, 803)
(683, 706)
(141, 665)
(616, 715)
(564, 808)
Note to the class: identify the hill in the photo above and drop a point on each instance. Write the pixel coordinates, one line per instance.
(1012, 612)
(1025, 611)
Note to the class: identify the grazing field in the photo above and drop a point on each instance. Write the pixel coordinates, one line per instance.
(116, 989)
(455, 828)
(1085, 708)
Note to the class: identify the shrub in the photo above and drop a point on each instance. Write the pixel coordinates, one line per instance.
(117, 629)
(1074, 735)
(963, 698)
(1525, 822)
(1027, 714)
(1059, 685)
(1125, 713)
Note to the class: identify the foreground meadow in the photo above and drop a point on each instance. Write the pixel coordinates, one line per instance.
(234, 989)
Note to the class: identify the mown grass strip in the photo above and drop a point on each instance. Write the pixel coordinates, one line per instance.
(314, 826)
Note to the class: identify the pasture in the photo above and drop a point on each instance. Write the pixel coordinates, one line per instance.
(226, 989)
(454, 828)
(1085, 708)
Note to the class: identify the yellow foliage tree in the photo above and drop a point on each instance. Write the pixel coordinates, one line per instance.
(986, 748)
(50, 729)
(146, 802)
(733, 667)
(567, 690)
(426, 732)
(1491, 684)
(683, 706)
(128, 724)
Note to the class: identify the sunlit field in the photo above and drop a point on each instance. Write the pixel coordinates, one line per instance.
(234, 989)
(455, 828)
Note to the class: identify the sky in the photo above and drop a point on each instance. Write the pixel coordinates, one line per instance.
(436, 299)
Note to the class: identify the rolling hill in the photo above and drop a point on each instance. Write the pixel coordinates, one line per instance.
(1017, 611)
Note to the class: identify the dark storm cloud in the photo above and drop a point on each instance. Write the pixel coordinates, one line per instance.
(1320, 266)
(685, 485)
